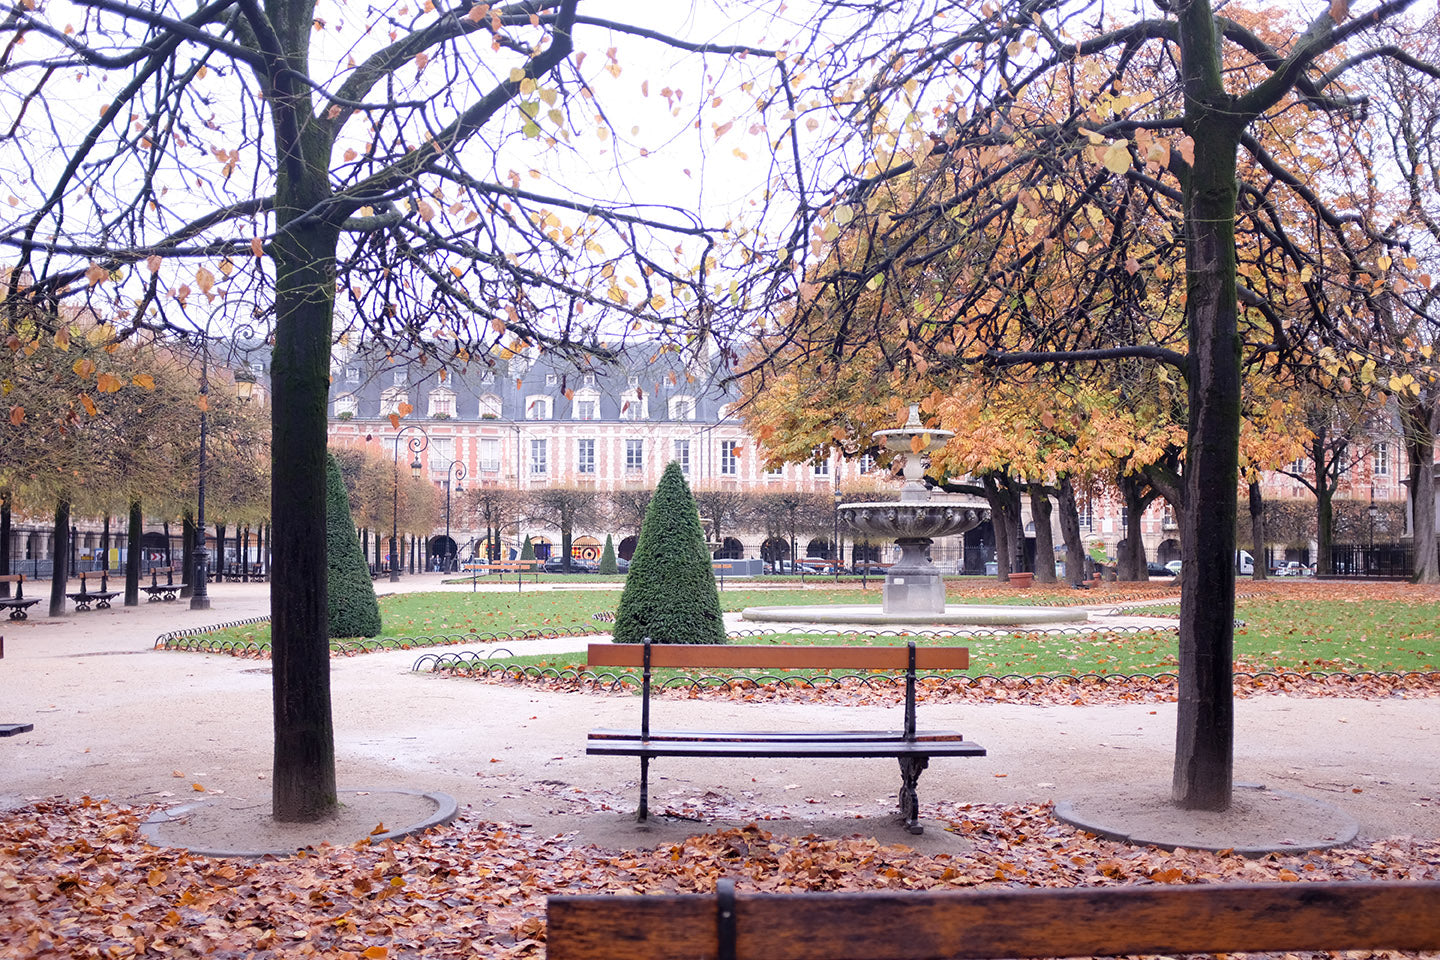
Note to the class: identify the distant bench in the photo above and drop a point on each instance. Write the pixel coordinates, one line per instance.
(161, 591)
(911, 747)
(17, 605)
(971, 924)
(502, 567)
(101, 598)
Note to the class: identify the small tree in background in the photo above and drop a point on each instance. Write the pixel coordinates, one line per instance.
(670, 593)
(527, 552)
(354, 611)
(607, 558)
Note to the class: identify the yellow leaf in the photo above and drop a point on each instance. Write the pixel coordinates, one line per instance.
(394, 421)
(96, 274)
(62, 338)
(144, 381)
(1117, 157)
(153, 262)
(478, 12)
(1186, 146)
(405, 409)
(203, 402)
(257, 246)
(108, 383)
(1339, 10)
(376, 953)
(83, 368)
(89, 405)
(17, 416)
(204, 279)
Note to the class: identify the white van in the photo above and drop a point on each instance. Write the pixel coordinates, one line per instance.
(1244, 563)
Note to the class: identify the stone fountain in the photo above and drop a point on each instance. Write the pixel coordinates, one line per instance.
(914, 588)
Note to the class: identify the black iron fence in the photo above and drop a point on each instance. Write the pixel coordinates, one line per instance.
(1380, 561)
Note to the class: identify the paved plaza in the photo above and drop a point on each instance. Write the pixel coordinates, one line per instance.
(116, 718)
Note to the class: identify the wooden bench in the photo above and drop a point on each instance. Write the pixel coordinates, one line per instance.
(161, 591)
(17, 605)
(913, 748)
(1033, 922)
(502, 567)
(101, 598)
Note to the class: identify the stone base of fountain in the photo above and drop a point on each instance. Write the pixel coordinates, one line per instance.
(953, 615)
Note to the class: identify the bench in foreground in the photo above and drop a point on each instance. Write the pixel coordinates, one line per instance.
(18, 605)
(911, 747)
(1070, 922)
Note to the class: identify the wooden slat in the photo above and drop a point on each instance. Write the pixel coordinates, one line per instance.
(1074, 922)
(859, 736)
(776, 657)
(782, 748)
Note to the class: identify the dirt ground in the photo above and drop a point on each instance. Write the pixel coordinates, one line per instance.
(115, 718)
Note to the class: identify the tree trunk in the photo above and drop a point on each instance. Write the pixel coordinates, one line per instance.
(187, 555)
(4, 540)
(1324, 528)
(1131, 565)
(217, 563)
(1070, 533)
(1257, 530)
(1205, 716)
(303, 788)
(135, 534)
(105, 544)
(60, 572)
(999, 523)
(1419, 424)
(1044, 536)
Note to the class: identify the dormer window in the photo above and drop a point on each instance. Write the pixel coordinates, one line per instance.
(489, 407)
(590, 381)
(537, 407)
(551, 379)
(352, 374)
(442, 404)
(682, 408)
(391, 400)
(346, 405)
(634, 408)
(586, 405)
(400, 378)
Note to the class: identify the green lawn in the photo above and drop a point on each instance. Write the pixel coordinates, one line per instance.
(1325, 627)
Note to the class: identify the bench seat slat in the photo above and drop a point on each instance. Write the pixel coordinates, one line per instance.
(781, 748)
(776, 656)
(1075, 922)
(761, 736)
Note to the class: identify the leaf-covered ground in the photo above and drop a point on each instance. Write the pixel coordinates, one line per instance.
(76, 880)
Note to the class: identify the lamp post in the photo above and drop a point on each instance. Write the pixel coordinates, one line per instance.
(837, 528)
(416, 443)
(1373, 511)
(458, 469)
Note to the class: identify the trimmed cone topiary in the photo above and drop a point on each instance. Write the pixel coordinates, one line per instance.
(607, 558)
(670, 593)
(527, 552)
(354, 611)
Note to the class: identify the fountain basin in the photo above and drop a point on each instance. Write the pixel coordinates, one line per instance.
(868, 614)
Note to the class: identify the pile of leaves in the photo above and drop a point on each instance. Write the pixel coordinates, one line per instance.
(76, 879)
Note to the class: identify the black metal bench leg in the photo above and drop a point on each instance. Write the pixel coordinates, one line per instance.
(910, 770)
(644, 812)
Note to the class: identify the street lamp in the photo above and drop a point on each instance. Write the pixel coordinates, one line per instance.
(199, 591)
(457, 468)
(416, 444)
(1373, 511)
(836, 541)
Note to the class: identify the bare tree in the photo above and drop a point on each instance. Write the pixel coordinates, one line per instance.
(259, 160)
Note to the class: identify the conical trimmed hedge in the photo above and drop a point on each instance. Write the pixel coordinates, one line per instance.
(670, 593)
(607, 558)
(354, 611)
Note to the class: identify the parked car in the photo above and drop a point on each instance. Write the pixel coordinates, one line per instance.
(1174, 567)
(870, 568)
(817, 565)
(577, 565)
(1155, 569)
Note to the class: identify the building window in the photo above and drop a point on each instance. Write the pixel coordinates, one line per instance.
(867, 463)
(820, 462)
(585, 456)
(346, 405)
(489, 407)
(537, 408)
(634, 455)
(589, 380)
(729, 457)
(775, 471)
(587, 408)
(682, 455)
(682, 408)
(391, 401)
(632, 381)
(1087, 518)
(400, 378)
(538, 462)
(489, 455)
(633, 408)
(442, 404)
(551, 379)
(352, 374)
(487, 380)
(1380, 461)
(442, 453)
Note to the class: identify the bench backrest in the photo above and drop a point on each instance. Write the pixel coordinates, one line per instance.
(1072, 922)
(13, 578)
(776, 656)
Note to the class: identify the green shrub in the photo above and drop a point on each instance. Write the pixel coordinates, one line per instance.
(354, 611)
(670, 593)
(607, 558)
(527, 552)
